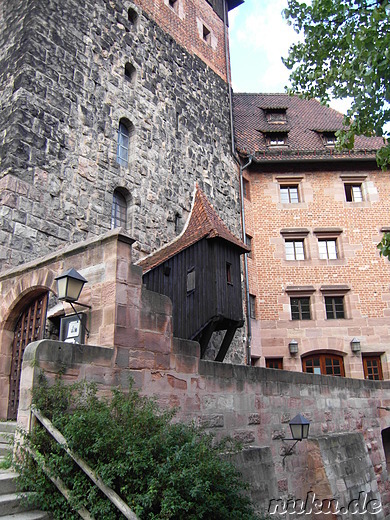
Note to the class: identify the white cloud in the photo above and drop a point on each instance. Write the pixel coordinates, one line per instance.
(259, 37)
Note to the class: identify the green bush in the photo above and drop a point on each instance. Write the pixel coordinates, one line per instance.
(161, 469)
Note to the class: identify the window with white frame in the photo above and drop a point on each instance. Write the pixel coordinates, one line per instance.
(289, 194)
(353, 192)
(295, 250)
(327, 249)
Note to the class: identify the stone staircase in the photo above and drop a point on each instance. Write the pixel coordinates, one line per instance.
(10, 504)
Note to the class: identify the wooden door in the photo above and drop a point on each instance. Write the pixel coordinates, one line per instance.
(30, 327)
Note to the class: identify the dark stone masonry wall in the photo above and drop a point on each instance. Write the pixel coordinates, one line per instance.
(62, 94)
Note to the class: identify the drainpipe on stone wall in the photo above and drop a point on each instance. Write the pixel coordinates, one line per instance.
(248, 314)
(228, 78)
(242, 168)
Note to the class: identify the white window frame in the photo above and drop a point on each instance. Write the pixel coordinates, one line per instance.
(327, 249)
(295, 249)
(286, 192)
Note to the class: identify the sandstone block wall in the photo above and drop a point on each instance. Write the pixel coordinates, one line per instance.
(343, 456)
(63, 92)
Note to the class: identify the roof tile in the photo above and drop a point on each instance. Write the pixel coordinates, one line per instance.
(307, 119)
(203, 222)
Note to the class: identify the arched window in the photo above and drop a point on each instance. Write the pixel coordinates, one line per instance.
(326, 364)
(122, 155)
(118, 211)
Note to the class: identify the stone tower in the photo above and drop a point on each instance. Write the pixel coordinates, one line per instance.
(110, 110)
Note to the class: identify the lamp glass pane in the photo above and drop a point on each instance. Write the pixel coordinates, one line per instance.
(61, 288)
(296, 431)
(74, 289)
(305, 431)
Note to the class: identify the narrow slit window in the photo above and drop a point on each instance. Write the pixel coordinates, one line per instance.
(229, 273)
(118, 211)
(190, 281)
(252, 306)
(122, 156)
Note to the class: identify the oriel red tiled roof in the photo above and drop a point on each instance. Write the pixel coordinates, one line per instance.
(203, 222)
(306, 122)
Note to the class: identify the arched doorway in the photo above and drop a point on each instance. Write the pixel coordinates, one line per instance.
(386, 445)
(30, 327)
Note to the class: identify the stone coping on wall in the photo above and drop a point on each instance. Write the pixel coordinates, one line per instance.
(118, 233)
(258, 374)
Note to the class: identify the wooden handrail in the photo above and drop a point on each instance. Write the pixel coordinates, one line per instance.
(82, 511)
(110, 493)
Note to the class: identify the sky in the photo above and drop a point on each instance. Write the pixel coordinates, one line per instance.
(259, 37)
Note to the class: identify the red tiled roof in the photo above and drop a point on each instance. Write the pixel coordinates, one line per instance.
(307, 119)
(203, 222)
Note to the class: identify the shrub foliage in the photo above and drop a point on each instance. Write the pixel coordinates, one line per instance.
(161, 469)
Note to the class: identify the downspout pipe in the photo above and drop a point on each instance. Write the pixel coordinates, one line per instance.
(246, 274)
(228, 76)
(242, 168)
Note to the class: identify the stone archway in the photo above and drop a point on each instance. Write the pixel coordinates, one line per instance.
(30, 327)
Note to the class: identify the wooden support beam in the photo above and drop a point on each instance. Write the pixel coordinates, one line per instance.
(205, 337)
(229, 335)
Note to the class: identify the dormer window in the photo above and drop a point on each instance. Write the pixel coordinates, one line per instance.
(276, 116)
(329, 139)
(276, 139)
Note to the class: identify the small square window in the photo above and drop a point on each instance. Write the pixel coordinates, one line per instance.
(276, 140)
(329, 139)
(300, 308)
(334, 306)
(327, 249)
(289, 194)
(353, 192)
(294, 250)
(277, 116)
(276, 363)
(372, 368)
(252, 306)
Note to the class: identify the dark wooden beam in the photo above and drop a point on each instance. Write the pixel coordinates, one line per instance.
(205, 337)
(229, 335)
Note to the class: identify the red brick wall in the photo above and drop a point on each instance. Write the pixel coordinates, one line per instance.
(359, 266)
(185, 26)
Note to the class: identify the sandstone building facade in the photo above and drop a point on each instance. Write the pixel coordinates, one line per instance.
(314, 217)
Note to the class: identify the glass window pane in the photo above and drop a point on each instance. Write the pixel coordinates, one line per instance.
(357, 193)
(322, 250)
(294, 195)
(290, 252)
(284, 196)
(332, 251)
(294, 302)
(299, 251)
